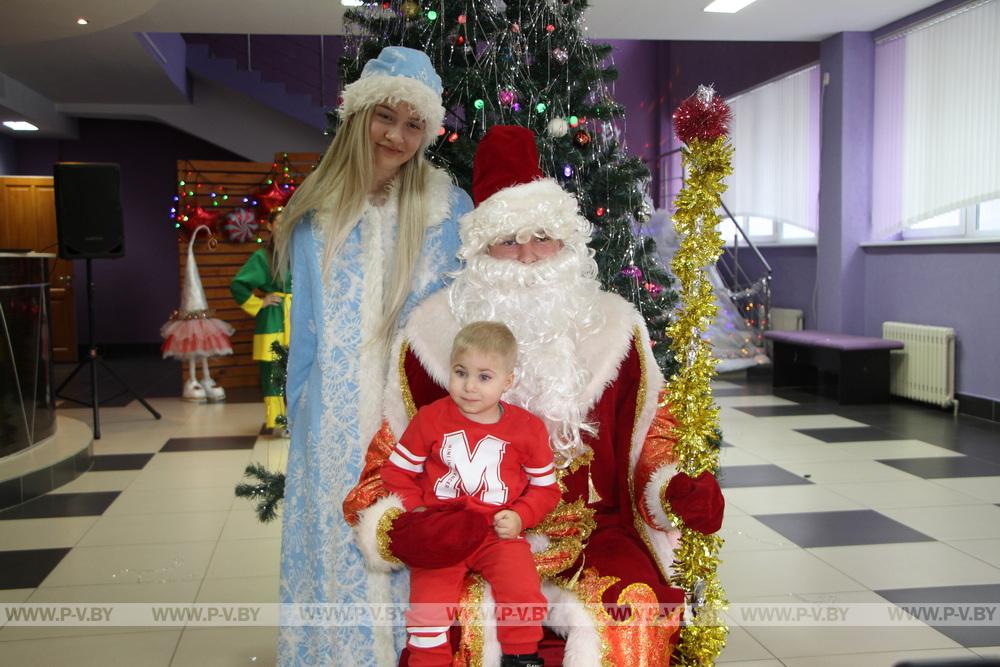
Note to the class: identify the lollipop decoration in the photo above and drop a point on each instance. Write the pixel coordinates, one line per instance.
(241, 226)
(702, 123)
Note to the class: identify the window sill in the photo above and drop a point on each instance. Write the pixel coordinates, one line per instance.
(985, 240)
(788, 244)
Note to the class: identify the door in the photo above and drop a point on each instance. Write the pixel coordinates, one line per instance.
(28, 222)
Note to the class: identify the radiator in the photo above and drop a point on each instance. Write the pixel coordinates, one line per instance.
(924, 370)
(786, 319)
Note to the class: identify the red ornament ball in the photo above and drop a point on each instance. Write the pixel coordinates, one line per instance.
(581, 139)
(704, 116)
(550, 28)
(453, 137)
(461, 19)
(460, 40)
(600, 211)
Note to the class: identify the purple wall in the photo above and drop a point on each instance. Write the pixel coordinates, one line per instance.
(134, 294)
(794, 279)
(8, 155)
(953, 286)
(169, 47)
(639, 75)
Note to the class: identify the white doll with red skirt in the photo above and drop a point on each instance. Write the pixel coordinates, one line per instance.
(192, 333)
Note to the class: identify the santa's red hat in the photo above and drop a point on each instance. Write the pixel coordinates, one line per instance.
(512, 196)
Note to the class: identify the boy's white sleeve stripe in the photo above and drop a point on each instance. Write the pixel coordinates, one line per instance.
(418, 641)
(435, 630)
(545, 480)
(401, 462)
(408, 454)
(539, 471)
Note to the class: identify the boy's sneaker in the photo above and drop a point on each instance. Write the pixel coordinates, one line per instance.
(522, 660)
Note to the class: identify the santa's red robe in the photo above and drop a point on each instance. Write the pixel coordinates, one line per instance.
(609, 544)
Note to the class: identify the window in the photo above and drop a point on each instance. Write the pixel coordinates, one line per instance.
(764, 231)
(976, 221)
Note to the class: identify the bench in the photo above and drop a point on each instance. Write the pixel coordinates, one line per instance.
(855, 368)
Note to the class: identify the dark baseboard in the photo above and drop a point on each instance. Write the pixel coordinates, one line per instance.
(123, 350)
(977, 406)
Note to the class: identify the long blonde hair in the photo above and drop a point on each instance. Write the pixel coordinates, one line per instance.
(339, 187)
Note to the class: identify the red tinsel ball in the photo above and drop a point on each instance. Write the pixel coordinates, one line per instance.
(704, 115)
(581, 139)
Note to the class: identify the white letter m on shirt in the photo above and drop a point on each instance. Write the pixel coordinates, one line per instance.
(478, 470)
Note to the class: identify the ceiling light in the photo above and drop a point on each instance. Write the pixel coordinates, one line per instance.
(82, 21)
(727, 6)
(352, 3)
(20, 126)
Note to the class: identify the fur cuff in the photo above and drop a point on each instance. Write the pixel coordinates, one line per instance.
(569, 618)
(372, 90)
(370, 534)
(652, 497)
(529, 207)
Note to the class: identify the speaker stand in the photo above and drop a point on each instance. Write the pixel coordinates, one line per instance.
(93, 359)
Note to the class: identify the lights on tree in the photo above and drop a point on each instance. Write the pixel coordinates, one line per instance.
(600, 211)
(461, 19)
(568, 170)
(541, 107)
(432, 15)
(453, 137)
(441, 132)
(479, 104)
(561, 55)
(574, 121)
(550, 28)
(410, 9)
(507, 98)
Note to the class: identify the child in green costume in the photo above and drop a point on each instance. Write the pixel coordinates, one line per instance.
(271, 314)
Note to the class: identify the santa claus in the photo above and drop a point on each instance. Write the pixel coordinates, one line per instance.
(585, 366)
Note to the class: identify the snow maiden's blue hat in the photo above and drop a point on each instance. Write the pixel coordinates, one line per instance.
(398, 75)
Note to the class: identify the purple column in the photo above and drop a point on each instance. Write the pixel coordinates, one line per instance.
(848, 59)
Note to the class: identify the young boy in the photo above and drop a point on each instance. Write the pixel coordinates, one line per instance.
(495, 458)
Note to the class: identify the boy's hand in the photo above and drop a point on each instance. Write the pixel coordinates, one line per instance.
(507, 524)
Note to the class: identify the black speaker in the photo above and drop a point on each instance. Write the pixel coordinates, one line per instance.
(89, 210)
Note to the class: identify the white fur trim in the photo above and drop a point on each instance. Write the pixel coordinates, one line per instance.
(529, 207)
(651, 496)
(366, 534)
(431, 329)
(380, 88)
(570, 619)
(537, 542)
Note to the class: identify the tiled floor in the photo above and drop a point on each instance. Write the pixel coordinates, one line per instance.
(825, 504)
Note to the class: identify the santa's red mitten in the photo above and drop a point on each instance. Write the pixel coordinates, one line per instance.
(439, 536)
(697, 501)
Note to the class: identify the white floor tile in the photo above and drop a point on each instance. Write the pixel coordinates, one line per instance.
(951, 523)
(735, 456)
(734, 402)
(984, 488)
(103, 480)
(827, 472)
(908, 565)
(909, 493)
(985, 550)
(786, 450)
(44, 533)
(15, 595)
(166, 501)
(895, 449)
(749, 574)
(244, 525)
(246, 558)
(741, 648)
(781, 499)
(240, 589)
(227, 647)
(745, 533)
(889, 659)
(156, 528)
(199, 477)
(149, 649)
(987, 651)
(134, 563)
(183, 462)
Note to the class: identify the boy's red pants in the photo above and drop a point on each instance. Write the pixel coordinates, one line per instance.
(508, 567)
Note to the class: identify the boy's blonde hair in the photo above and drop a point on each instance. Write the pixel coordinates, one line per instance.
(488, 338)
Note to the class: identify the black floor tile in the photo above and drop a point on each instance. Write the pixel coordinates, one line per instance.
(120, 462)
(945, 467)
(848, 434)
(799, 410)
(209, 443)
(839, 529)
(735, 477)
(28, 568)
(53, 505)
(966, 635)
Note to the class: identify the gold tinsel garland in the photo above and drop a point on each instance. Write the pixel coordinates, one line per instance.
(706, 162)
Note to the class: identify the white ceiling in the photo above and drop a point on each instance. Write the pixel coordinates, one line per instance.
(42, 47)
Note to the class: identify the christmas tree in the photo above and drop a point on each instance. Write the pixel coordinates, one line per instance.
(529, 63)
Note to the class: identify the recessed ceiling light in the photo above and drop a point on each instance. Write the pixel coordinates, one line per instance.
(727, 6)
(20, 126)
(82, 21)
(352, 3)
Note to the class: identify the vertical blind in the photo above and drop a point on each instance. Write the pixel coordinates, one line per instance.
(937, 124)
(775, 136)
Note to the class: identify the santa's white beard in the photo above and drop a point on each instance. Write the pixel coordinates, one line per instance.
(550, 307)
